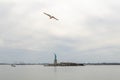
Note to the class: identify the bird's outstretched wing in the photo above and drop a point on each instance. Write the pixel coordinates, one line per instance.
(47, 14)
(50, 16)
(55, 18)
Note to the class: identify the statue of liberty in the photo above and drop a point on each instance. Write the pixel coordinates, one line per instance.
(55, 59)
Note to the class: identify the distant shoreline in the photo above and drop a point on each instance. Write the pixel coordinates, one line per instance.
(48, 63)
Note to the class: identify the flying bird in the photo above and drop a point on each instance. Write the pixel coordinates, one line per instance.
(50, 16)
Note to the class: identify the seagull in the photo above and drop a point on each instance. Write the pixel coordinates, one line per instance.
(50, 16)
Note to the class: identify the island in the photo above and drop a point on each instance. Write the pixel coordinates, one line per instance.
(63, 63)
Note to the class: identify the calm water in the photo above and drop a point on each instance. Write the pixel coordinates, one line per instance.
(37, 72)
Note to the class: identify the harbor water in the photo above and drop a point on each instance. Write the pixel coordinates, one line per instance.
(39, 72)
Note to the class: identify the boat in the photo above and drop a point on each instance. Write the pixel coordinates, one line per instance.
(13, 65)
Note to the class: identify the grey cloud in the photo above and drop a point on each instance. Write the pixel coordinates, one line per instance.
(15, 26)
(107, 26)
(5, 9)
(12, 55)
(24, 31)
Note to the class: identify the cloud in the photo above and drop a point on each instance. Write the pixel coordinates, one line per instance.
(83, 26)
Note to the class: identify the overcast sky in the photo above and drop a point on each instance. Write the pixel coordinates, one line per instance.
(87, 30)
